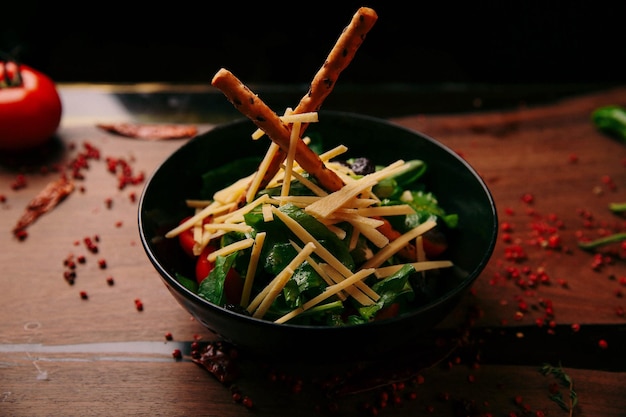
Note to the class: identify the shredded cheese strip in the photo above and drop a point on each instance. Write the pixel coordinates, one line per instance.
(266, 297)
(353, 290)
(354, 239)
(197, 228)
(198, 247)
(370, 233)
(320, 269)
(317, 190)
(324, 207)
(277, 286)
(353, 217)
(306, 237)
(268, 216)
(228, 227)
(321, 251)
(308, 117)
(333, 289)
(257, 246)
(233, 192)
(420, 253)
(333, 153)
(297, 200)
(263, 166)
(291, 155)
(399, 243)
(386, 271)
(326, 157)
(237, 215)
(228, 249)
(341, 234)
(327, 205)
(213, 208)
(384, 211)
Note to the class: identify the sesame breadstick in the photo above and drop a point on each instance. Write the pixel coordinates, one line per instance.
(264, 118)
(338, 59)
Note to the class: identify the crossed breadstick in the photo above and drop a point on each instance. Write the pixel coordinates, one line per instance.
(264, 118)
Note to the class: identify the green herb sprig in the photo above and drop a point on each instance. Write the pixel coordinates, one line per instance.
(564, 379)
(616, 208)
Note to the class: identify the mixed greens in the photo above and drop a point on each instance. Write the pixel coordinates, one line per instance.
(303, 297)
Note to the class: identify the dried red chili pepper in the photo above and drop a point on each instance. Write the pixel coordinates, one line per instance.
(46, 200)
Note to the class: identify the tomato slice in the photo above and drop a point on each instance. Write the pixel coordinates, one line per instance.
(203, 265)
(186, 240)
(388, 312)
(233, 287)
(435, 243)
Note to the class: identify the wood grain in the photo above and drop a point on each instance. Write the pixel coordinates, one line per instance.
(64, 355)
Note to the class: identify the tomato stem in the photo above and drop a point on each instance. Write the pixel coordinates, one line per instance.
(7, 81)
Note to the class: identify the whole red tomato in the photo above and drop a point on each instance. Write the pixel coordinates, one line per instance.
(30, 107)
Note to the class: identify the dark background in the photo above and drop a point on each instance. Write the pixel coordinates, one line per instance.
(412, 42)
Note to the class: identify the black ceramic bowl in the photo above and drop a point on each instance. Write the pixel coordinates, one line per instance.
(456, 184)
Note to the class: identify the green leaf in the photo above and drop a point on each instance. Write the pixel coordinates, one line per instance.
(390, 289)
(319, 231)
(212, 287)
(611, 120)
(190, 284)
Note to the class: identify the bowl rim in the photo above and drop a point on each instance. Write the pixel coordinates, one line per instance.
(441, 299)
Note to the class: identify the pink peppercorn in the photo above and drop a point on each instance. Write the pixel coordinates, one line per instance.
(528, 198)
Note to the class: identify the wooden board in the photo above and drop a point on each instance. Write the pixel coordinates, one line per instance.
(61, 354)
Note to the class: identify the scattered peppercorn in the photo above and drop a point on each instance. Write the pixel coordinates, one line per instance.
(19, 182)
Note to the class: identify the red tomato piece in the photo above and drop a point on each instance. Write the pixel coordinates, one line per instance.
(233, 287)
(186, 240)
(388, 312)
(203, 265)
(30, 107)
(435, 243)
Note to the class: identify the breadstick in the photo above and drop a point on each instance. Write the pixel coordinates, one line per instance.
(264, 118)
(338, 59)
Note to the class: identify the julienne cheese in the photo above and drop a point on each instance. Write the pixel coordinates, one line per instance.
(355, 204)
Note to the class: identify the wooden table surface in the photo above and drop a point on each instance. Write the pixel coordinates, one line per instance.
(63, 354)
